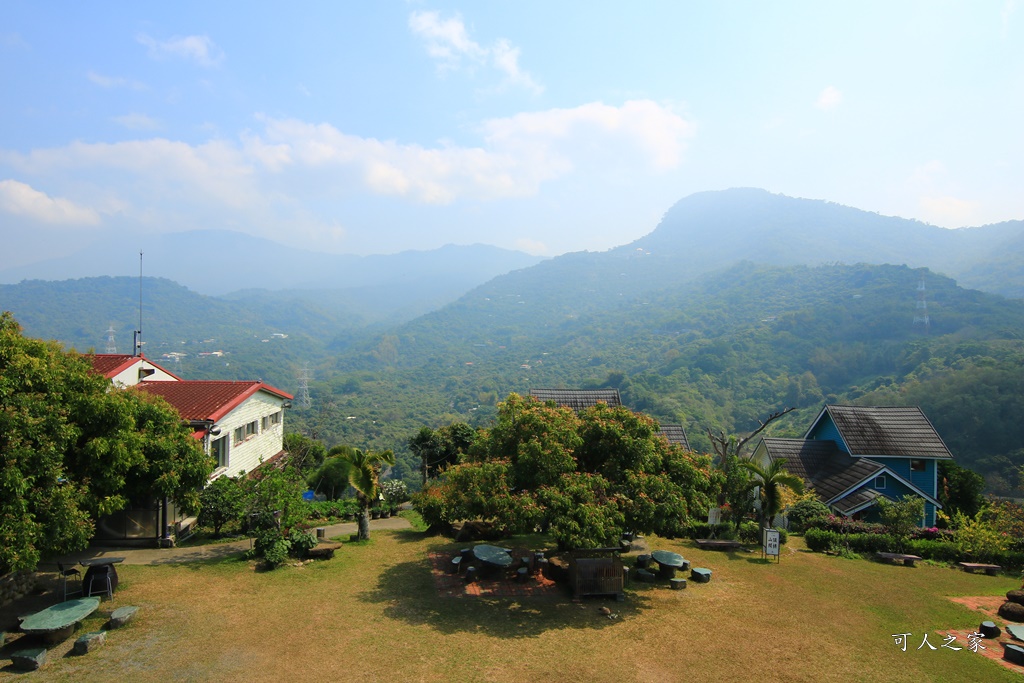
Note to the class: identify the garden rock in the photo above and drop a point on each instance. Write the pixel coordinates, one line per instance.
(90, 641)
(1013, 653)
(1016, 596)
(122, 615)
(700, 575)
(988, 629)
(29, 660)
(677, 584)
(1012, 611)
(645, 576)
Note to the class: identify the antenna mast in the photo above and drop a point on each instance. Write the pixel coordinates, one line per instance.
(304, 400)
(111, 345)
(138, 332)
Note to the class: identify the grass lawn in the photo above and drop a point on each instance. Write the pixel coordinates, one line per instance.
(373, 614)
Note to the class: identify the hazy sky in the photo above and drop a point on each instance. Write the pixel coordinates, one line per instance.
(375, 127)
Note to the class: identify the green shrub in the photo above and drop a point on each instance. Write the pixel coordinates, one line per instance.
(803, 511)
(703, 530)
(939, 551)
(820, 540)
(301, 542)
(271, 546)
(750, 532)
(222, 504)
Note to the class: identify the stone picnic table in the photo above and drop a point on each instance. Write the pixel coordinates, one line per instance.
(668, 563)
(95, 574)
(492, 557)
(57, 622)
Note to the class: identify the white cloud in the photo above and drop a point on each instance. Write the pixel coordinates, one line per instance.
(136, 121)
(534, 247)
(448, 42)
(24, 200)
(1009, 7)
(829, 99)
(949, 212)
(113, 81)
(199, 49)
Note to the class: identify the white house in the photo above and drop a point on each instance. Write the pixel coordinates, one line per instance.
(125, 370)
(240, 424)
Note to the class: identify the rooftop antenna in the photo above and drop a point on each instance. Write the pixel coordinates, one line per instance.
(138, 332)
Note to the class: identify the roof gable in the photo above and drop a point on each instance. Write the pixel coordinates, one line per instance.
(111, 365)
(207, 400)
(892, 431)
(578, 399)
(822, 464)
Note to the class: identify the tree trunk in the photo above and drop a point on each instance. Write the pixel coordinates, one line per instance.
(364, 523)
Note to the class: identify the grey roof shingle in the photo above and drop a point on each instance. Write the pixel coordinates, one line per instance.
(888, 431)
(822, 464)
(675, 434)
(578, 399)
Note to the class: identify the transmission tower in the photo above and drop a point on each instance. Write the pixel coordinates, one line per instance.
(921, 315)
(302, 397)
(111, 346)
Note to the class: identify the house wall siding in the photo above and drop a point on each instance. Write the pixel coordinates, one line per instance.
(247, 455)
(826, 430)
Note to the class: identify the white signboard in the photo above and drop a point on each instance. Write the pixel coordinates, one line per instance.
(771, 542)
(715, 516)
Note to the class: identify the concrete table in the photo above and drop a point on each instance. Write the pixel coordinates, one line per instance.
(668, 563)
(56, 623)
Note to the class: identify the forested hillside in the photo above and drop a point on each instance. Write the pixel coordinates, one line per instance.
(716, 353)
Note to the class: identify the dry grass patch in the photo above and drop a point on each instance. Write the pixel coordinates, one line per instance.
(372, 613)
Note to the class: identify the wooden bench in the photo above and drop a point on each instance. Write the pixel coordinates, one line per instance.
(907, 560)
(990, 569)
(717, 544)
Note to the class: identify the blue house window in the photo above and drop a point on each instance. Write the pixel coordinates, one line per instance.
(880, 482)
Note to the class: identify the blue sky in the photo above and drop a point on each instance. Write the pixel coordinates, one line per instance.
(546, 127)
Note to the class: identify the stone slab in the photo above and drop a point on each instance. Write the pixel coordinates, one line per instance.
(88, 642)
(29, 660)
(122, 615)
(1013, 653)
(1016, 631)
(700, 574)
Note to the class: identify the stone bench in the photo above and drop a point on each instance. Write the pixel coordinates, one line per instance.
(700, 575)
(122, 616)
(322, 551)
(677, 584)
(645, 576)
(717, 544)
(88, 642)
(907, 560)
(29, 660)
(1013, 653)
(971, 567)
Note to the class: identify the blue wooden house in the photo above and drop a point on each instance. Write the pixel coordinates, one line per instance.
(853, 455)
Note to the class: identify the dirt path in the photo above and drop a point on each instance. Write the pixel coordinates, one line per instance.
(214, 550)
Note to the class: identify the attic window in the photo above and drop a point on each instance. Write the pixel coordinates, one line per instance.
(917, 465)
(880, 482)
(146, 372)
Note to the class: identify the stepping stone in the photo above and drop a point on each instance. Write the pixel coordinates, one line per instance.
(1016, 631)
(122, 615)
(471, 574)
(988, 629)
(1013, 653)
(642, 561)
(677, 584)
(456, 564)
(700, 574)
(522, 574)
(89, 642)
(29, 660)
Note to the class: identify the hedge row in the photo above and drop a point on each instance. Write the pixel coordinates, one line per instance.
(820, 540)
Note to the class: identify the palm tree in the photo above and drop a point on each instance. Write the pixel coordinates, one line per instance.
(364, 476)
(771, 479)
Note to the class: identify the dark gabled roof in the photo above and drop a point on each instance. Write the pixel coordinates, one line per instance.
(202, 400)
(675, 434)
(578, 399)
(888, 431)
(857, 500)
(827, 469)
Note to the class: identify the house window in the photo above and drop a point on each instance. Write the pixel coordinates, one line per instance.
(880, 482)
(271, 420)
(244, 432)
(219, 451)
(917, 465)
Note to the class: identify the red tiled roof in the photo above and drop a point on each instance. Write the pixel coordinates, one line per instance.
(111, 364)
(197, 400)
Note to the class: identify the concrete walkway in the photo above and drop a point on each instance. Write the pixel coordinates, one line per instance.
(214, 551)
